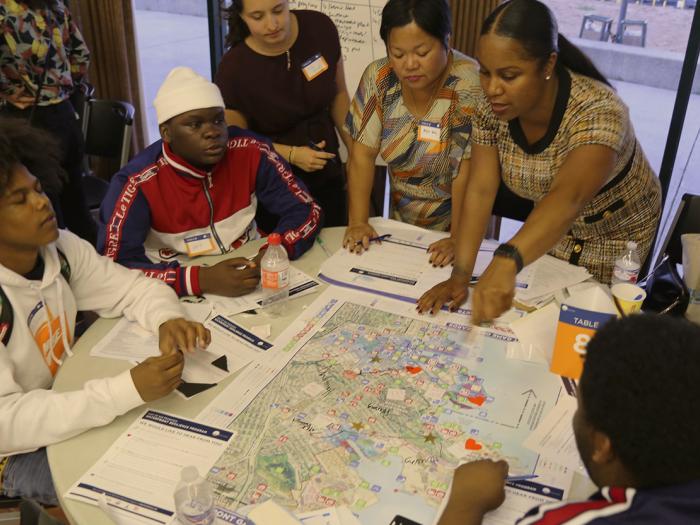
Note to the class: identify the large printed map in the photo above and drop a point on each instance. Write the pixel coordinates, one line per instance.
(376, 409)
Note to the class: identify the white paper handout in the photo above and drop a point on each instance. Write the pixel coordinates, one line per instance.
(232, 347)
(139, 472)
(554, 436)
(536, 333)
(549, 275)
(399, 266)
(300, 284)
(128, 341)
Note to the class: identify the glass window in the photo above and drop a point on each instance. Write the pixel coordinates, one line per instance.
(640, 46)
(169, 33)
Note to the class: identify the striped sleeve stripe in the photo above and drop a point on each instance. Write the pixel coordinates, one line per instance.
(188, 280)
(120, 213)
(563, 513)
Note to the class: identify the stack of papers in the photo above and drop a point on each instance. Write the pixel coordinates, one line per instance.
(549, 275)
(399, 267)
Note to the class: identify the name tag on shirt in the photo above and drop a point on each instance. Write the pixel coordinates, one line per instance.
(428, 131)
(314, 66)
(199, 244)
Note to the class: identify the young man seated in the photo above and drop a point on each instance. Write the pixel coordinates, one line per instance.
(46, 276)
(637, 429)
(195, 192)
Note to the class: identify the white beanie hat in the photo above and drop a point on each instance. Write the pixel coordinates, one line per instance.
(184, 90)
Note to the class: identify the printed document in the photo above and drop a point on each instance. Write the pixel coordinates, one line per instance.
(300, 284)
(139, 472)
(232, 347)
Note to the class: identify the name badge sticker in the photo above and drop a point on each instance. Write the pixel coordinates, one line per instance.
(314, 66)
(199, 244)
(428, 131)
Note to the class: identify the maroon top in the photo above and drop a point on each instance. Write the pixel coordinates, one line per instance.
(276, 100)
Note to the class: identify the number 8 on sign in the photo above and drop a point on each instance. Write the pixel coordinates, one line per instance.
(580, 343)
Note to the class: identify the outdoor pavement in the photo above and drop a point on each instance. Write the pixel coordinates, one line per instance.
(167, 40)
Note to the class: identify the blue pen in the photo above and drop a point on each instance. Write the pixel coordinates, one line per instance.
(379, 238)
(521, 478)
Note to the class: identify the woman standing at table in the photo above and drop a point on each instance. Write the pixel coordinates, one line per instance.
(414, 107)
(554, 131)
(283, 77)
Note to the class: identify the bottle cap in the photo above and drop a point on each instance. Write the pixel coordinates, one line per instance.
(189, 474)
(274, 239)
(631, 245)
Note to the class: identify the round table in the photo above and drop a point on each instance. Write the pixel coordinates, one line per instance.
(70, 459)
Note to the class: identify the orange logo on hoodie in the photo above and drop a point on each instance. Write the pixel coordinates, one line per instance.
(50, 342)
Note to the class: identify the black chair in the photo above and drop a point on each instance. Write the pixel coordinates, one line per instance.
(107, 127)
(686, 220)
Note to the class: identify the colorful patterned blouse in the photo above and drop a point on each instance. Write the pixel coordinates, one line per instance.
(421, 172)
(26, 35)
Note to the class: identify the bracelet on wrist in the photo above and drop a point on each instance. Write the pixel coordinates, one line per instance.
(291, 154)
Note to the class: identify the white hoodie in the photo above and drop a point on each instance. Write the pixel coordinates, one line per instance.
(31, 414)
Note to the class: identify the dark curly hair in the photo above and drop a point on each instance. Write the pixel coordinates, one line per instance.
(641, 387)
(34, 148)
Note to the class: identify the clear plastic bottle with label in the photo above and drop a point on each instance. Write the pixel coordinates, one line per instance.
(627, 264)
(274, 269)
(194, 499)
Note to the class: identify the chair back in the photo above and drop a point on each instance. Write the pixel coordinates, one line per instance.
(107, 128)
(686, 220)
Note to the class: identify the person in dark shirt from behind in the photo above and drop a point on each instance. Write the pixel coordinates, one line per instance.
(637, 429)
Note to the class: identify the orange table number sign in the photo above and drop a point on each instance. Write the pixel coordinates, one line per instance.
(575, 328)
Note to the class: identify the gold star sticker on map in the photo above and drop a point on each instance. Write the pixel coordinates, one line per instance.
(358, 426)
(376, 359)
(430, 438)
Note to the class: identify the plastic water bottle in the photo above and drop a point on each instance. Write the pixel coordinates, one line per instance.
(627, 265)
(274, 269)
(194, 499)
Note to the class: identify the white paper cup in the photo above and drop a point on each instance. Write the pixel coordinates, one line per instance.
(628, 297)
